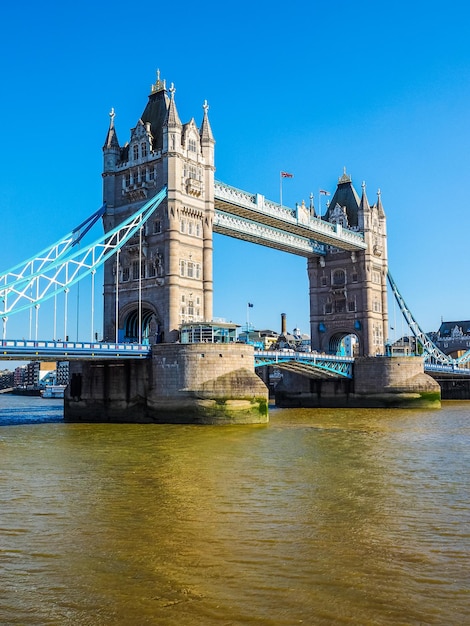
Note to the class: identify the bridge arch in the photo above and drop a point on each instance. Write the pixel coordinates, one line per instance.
(151, 326)
(344, 343)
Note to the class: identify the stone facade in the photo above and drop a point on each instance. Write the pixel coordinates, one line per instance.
(167, 268)
(348, 290)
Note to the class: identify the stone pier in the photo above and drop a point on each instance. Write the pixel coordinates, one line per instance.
(181, 383)
(379, 382)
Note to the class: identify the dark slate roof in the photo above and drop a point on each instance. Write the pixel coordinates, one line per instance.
(345, 195)
(155, 112)
(446, 328)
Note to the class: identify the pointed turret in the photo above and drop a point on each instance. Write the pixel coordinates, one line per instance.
(111, 148)
(363, 215)
(380, 208)
(172, 127)
(312, 206)
(206, 136)
(172, 117)
(364, 206)
(206, 130)
(111, 140)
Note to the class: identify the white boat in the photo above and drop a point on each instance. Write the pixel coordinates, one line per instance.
(53, 391)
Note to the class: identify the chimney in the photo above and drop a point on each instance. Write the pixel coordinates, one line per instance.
(283, 324)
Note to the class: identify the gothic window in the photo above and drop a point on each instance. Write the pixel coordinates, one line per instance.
(190, 269)
(339, 277)
(125, 274)
(340, 305)
(190, 227)
(198, 271)
(143, 149)
(192, 145)
(136, 152)
(190, 308)
(152, 173)
(377, 306)
(182, 267)
(151, 271)
(376, 277)
(143, 174)
(157, 227)
(192, 171)
(328, 307)
(351, 306)
(323, 281)
(354, 277)
(135, 270)
(182, 226)
(128, 179)
(198, 229)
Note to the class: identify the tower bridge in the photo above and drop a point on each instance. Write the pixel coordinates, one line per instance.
(161, 207)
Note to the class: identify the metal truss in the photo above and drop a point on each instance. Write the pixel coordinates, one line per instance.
(55, 270)
(307, 363)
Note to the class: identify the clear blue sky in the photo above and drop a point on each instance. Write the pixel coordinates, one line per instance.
(307, 87)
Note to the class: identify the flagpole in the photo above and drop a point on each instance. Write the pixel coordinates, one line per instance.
(280, 187)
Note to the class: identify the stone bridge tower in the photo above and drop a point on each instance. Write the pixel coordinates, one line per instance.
(164, 275)
(348, 291)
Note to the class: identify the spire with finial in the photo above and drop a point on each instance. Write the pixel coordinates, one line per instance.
(111, 137)
(312, 207)
(205, 131)
(380, 208)
(172, 117)
(364, 205)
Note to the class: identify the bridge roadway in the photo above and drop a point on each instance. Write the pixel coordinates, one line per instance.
(311, 364)
(31, 350)
(252, 217)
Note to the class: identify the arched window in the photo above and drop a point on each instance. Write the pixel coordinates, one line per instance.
(136, 152)
(143, 149)
(339, 277)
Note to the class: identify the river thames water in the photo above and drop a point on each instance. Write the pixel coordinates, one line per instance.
(320, 517)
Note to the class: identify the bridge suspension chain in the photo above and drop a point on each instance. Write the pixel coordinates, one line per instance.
(431, 351)
(46, 257)
(60, 266)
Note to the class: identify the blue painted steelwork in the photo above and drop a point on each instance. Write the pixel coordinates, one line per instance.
(43, 259)
(21, 350)
(439, 368)
(431, 353)
(67, 268)
(338, 366)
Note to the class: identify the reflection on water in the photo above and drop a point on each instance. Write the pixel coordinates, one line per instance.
(320, 517)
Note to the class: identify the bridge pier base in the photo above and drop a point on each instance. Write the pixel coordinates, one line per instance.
(379, 382)
(181, 383)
